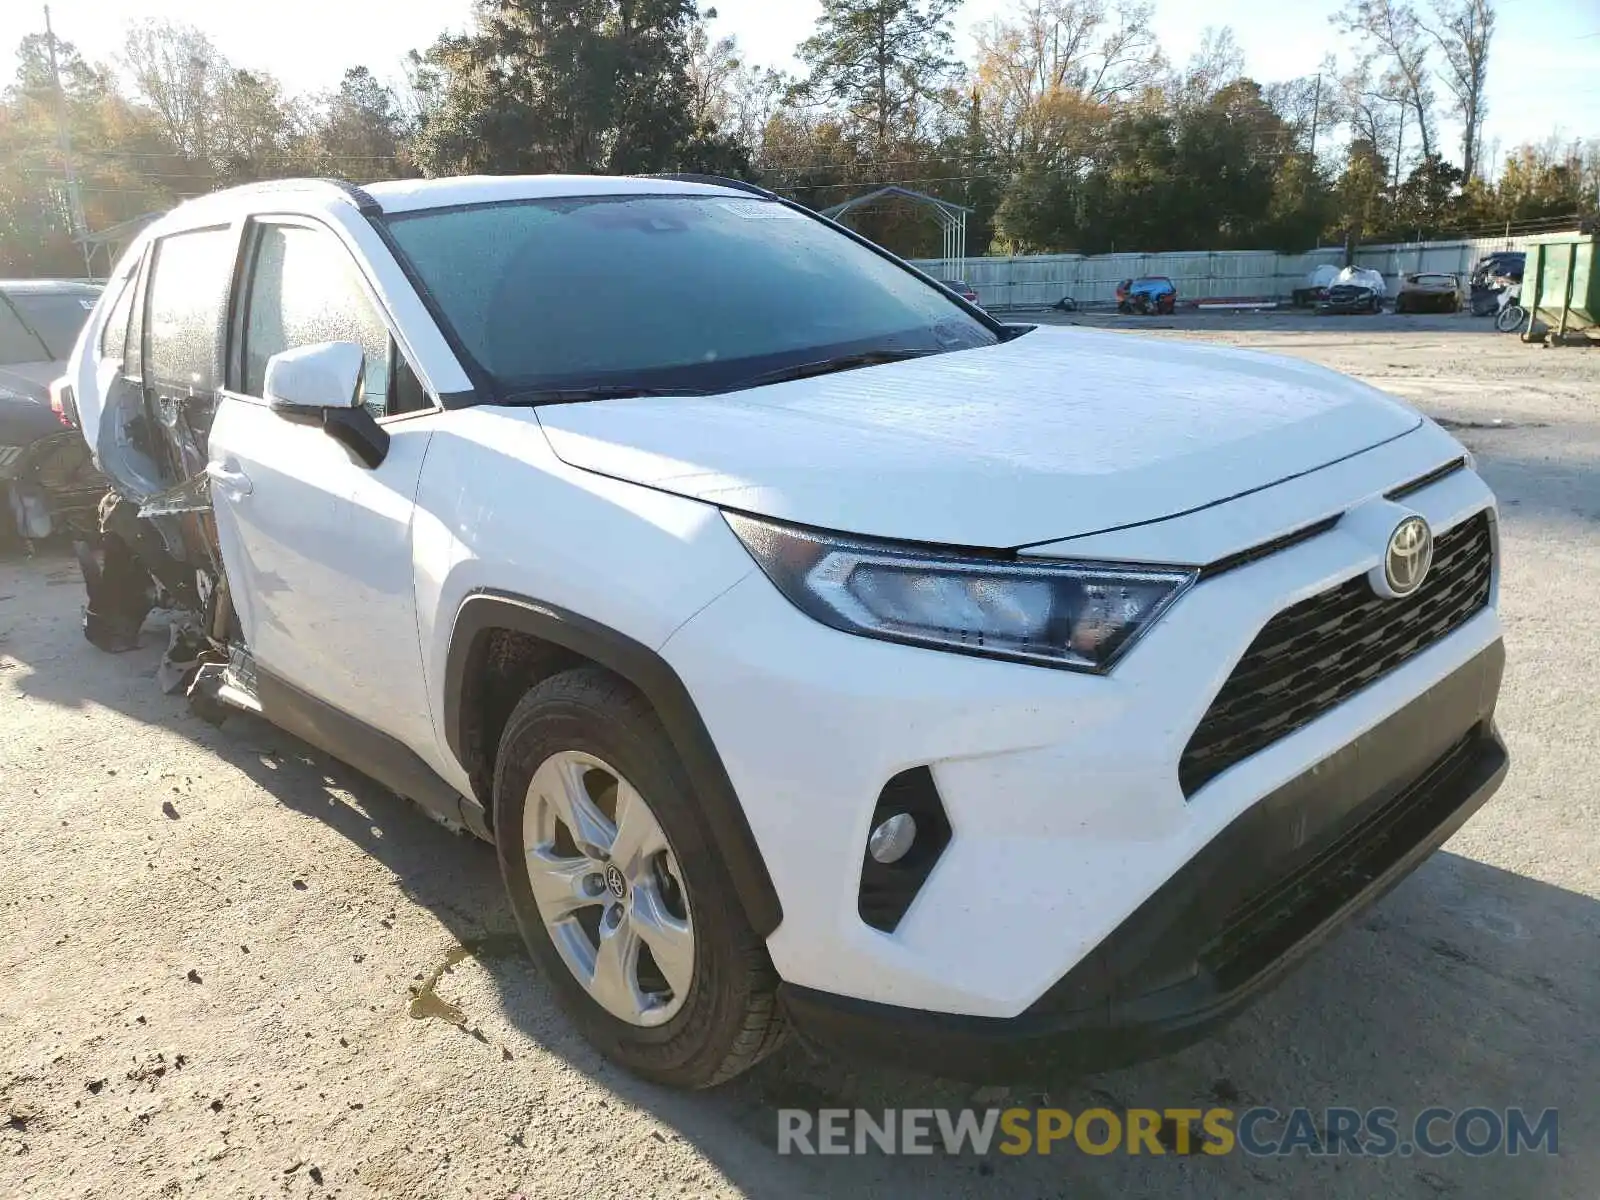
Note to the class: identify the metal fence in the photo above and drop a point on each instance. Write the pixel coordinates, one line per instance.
(1041, 280)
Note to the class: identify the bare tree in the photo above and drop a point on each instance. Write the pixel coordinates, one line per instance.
(421, 85)
(182, 75)
(255, 128)
(1369, 107)
(755, 95)
(1217, 63)
(1396, 37)
(1463, 30)
(1046, 73)
(1310, 104)
(713, 65)
(726, 93)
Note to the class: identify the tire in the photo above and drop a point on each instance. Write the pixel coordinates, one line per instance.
(1511, 318)
(581, 725)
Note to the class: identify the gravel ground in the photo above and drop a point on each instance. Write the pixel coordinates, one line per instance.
(232, 967)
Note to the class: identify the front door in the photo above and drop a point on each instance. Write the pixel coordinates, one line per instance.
(317, 546)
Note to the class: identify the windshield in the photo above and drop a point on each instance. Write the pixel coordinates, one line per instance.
(692, 292)
(51, 320)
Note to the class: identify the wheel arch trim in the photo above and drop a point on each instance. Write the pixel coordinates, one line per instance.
(491, 609)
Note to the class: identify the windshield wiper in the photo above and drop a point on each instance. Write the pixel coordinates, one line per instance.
(600, 391)
(827, 366)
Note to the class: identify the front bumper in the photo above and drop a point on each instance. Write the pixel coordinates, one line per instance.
(1273, 885)
(1348, 304)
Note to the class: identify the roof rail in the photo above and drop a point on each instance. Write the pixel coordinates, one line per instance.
(715, 180)
(360, 197)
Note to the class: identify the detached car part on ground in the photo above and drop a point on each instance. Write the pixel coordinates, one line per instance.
(825, 653)
(48, 485)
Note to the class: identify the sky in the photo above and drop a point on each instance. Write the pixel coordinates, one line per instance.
(1544, 72)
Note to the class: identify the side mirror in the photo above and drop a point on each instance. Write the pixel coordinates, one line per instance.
(320, 384)
(309, 379)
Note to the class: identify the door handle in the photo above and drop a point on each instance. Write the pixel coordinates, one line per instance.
(227, 476)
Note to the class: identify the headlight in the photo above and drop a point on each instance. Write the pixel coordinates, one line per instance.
(1080, 616)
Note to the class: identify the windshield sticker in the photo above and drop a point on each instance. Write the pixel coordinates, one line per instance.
(88, 305)
(761, 210)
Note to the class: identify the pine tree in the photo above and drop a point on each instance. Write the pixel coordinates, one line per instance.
(583, 85)
(881, 61)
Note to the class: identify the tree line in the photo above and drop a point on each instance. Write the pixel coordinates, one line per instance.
(1069, 129)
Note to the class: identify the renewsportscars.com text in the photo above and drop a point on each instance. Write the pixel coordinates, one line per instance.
(1260, 1132)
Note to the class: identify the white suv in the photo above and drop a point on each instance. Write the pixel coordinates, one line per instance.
(817, 650)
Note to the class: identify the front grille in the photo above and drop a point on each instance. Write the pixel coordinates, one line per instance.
(1316, 654)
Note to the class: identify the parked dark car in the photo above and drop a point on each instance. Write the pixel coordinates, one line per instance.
(39, 322)
(48, 483)
(1351, 298)
(1147, 295)
(961, 288)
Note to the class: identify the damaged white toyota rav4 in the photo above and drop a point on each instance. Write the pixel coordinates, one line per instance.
(818, 651)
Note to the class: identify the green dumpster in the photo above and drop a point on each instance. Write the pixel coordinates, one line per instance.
(1561, 286)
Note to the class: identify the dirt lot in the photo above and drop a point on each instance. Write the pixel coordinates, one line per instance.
(231, 967)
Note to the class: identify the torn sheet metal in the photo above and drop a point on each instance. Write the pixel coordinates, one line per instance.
(191, 496)
(186, 647)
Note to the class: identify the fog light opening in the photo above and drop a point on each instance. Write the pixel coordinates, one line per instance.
(891, 841)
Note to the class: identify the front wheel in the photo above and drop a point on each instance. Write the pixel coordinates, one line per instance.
(618, 890)
(1512, 318)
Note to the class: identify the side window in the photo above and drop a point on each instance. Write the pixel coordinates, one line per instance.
(188, 290)
(114, 337)
(133, 356)
(304, 289)
(408, 395)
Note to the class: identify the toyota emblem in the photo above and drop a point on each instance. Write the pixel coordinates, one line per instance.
(1410, 554)
(616, 881)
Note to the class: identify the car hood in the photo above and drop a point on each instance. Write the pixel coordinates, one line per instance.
(1055, 434)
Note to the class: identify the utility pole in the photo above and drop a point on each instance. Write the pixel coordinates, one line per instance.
(64, 137)
(1399, 146)
(1316, 109)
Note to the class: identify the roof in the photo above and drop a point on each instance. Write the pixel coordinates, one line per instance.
(49, 287)
(408, 195)
(333, 197)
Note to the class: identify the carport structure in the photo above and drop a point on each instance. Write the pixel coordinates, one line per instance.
(952, 217)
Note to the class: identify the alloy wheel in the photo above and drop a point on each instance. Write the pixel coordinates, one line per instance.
(608, 888)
